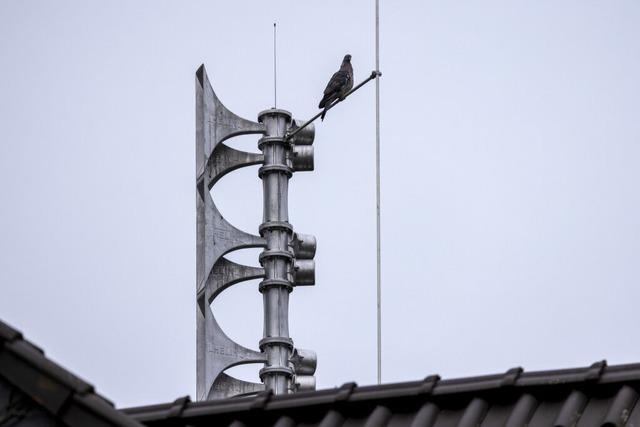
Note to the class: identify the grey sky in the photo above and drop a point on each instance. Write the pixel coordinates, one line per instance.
(511, 213)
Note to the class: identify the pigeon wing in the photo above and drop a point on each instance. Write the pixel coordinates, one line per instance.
(334, 87)
(337, 82)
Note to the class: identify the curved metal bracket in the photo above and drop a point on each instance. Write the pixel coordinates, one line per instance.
(215, 122)
(225, 159)
(216, 236)
(226, 273)
(226, 385)
(220, 351)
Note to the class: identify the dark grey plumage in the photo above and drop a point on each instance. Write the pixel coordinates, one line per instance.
(339, 85)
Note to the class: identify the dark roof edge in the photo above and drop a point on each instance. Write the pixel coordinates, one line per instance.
(65, 396)
(514, 379)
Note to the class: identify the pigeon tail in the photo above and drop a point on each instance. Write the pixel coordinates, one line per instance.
(323, 114)
(326, 100)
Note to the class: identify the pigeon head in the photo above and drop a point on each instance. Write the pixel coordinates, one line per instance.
(347, 58)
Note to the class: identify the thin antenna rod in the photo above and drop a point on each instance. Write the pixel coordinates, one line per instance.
(378, 264)
(275, 81)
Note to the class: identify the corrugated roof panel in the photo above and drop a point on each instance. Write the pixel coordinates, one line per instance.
(572, 408)
(546, 413)
(623, 403)
(522, 411)
(497, 415)
(594, 412)
(633, 418)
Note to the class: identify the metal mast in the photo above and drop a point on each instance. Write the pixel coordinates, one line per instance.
(276, 259)
(378, 237)
(288, 257)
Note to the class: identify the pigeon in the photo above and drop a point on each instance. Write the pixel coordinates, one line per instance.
(339, 85)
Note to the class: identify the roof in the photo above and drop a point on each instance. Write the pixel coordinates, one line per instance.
(63, 396)
(595, 396)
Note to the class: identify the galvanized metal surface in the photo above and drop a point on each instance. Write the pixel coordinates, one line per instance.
(286, 260)
(277, 259)
(378, 234)
(216, 352)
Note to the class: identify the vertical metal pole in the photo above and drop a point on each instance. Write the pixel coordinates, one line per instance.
(378, 243)
(277, 258)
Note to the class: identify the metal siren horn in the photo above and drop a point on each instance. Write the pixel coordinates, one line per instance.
(304, 136)
(303, 245)
(304, 365)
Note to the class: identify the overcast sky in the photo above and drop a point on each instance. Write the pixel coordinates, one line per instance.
(510, 171)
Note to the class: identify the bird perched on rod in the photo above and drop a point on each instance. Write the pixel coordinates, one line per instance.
(340, 84)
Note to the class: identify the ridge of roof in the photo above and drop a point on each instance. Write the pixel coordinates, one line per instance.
(513, 382)
(62, 394)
